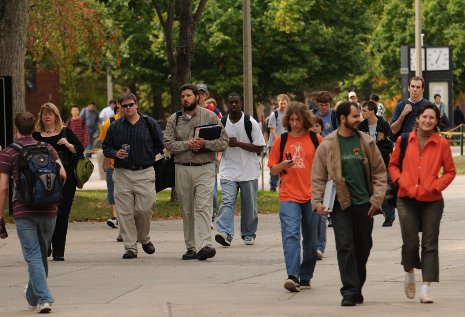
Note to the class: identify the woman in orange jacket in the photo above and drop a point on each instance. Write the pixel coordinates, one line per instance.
(420, 204)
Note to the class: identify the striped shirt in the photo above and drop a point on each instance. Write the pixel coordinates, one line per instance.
(8, 166)
(143, 145)
(79, 128)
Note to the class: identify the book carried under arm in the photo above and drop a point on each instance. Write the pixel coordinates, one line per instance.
(329, 195)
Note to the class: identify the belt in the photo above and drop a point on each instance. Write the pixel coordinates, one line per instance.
(194, 164)
(137, 168)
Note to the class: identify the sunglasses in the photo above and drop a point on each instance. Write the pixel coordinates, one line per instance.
(128, 105)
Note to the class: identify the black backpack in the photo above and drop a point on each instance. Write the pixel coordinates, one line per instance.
(313, 137)
(247, 125)
(38, 182)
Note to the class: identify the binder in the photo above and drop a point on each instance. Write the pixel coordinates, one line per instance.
(207, 132)
(329, 195)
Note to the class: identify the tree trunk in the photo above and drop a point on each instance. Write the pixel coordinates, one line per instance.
(13, 31)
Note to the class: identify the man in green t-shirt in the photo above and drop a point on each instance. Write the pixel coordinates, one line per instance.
(352, 160)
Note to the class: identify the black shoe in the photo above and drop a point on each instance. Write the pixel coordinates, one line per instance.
(129, 255)
(388, 222)
(119, 238)
(49, 252)
(148, 248)
(59, 258)
(189, 255)
(206, 253)
(348, 301)
(273, 189)
(359, 299)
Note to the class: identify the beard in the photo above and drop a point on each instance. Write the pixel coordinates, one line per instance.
(190, 106)
(353, 127)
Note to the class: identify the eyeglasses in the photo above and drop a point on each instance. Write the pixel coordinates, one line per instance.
(124, 106)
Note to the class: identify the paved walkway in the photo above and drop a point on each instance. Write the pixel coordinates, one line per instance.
(240, 281)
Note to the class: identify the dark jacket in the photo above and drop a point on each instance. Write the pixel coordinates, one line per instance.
(383, 137)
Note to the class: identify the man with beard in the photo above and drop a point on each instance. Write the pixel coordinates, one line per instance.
(352, 160)
(195, 172)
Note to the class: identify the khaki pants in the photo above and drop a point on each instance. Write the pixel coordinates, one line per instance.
(194, 187)
(134, 198)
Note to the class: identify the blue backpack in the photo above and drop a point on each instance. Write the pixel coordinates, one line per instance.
(38, 182)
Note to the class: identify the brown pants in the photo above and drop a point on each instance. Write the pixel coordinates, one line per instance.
(413, 216)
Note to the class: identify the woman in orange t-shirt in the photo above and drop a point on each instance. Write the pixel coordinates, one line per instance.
(295, 194)
(420, 203)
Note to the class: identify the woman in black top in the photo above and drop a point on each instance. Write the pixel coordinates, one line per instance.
(49, 128)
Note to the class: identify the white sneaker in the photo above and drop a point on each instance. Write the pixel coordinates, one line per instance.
(44, 308)
(112, 222)
(319, 254)
(249, 240)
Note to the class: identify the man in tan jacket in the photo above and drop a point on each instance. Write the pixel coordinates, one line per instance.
(352, 160)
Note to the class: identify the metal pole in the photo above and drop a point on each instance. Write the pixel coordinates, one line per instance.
(247, 55)
(418, 49)
(109, 86)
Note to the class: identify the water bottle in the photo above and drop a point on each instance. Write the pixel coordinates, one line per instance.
(126, 147)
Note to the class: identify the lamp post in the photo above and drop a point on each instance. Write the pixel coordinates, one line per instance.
(247, 55)
(418, 68)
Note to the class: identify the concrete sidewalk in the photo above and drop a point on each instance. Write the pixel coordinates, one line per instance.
(239, 281)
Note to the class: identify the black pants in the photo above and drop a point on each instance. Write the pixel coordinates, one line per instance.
(64, 209)
(352, 230)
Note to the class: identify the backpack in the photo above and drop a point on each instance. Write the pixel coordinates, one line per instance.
(83, 170)
(247, 125)
(268, 120)
(38, 182)
(391, 192)
(313, 137)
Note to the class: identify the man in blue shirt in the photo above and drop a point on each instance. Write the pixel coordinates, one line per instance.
(325, 113)
(404, 116)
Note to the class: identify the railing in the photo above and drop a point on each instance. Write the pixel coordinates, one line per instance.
(455, 135)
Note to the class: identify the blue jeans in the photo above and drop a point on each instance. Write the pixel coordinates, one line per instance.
(293, 216)
(322, 233)
(249, 215)
(35, 234)
(215, 191)
(274, 179)
(389, 210)
(91, 140)
(110, 186)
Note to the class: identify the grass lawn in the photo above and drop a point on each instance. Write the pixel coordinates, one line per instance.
(91, 205)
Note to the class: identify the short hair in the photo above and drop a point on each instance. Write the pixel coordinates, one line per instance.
(437, 95)
(301, 110)
(233, 94)
(190, 87)
(283, 97)
(324, 97)
(25, 122)
(92, 103)
(211, 100)
(111, 101)
(48, 106)
(417, 78)
(371, 105)
(74, 106)
(374, 97)
(343, 109)
(433, 107)
(127, 95)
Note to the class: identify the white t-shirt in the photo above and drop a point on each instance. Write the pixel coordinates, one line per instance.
(106, 113)
(236, 164)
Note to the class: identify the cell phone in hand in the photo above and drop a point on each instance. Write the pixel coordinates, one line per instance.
(288, 156)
